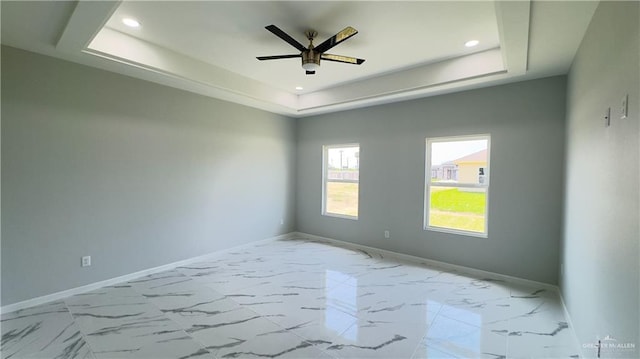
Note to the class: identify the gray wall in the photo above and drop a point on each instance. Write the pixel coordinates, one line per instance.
(601, 261)
(134, 174)
(526, 121)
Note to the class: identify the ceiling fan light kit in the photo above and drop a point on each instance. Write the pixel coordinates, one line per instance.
(310, 60)
(311, 55)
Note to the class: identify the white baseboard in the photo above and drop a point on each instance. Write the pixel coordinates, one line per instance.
(443, 265)
(570, 322)
(127, 277)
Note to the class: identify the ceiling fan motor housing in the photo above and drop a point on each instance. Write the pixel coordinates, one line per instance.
(310, 60)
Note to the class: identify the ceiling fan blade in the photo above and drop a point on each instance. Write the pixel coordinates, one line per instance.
(340, 58)
(310, 73)
(284, 36)
(343, 35)
(276, 57)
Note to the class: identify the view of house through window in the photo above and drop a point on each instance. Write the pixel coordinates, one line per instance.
(340, 182)
(457, 184)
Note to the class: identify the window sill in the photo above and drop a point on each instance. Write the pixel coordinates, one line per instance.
(455, 231)
(343, 216)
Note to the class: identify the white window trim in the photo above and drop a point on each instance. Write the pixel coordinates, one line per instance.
(428, 184)
(325, 171)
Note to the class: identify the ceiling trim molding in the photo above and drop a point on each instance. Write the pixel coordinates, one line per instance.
(440, 73)
(84, 24)
(513, 28)
(494, 79)
(121, 47)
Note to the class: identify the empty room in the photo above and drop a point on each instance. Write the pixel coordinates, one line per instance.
(182, 179)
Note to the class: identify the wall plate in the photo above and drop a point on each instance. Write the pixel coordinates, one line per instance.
(85, 261)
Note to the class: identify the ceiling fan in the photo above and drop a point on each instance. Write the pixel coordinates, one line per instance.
(311, 55)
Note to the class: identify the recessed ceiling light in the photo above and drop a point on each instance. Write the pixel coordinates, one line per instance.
(131, 22)
(471, 43)
(299, 88)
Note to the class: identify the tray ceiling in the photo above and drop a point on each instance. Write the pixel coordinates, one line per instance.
(412, 49)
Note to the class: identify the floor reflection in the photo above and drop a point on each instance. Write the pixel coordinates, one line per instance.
(456, 331)
(341, 303)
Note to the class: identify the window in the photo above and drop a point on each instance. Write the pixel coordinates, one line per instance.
(457, 190)
(340, 182)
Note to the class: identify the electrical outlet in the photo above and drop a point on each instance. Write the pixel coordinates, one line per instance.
(281, 221)
(86, 261)
(624, 106)
(387, 235)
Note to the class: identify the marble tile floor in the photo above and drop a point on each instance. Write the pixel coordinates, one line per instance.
(297, 298)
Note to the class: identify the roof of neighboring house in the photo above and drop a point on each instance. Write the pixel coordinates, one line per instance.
(480, 156)
(444, 164)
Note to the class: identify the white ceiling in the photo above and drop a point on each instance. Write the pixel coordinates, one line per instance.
(412, 49)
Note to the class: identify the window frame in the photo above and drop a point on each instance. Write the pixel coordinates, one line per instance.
(428, 184)
(325, 180)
